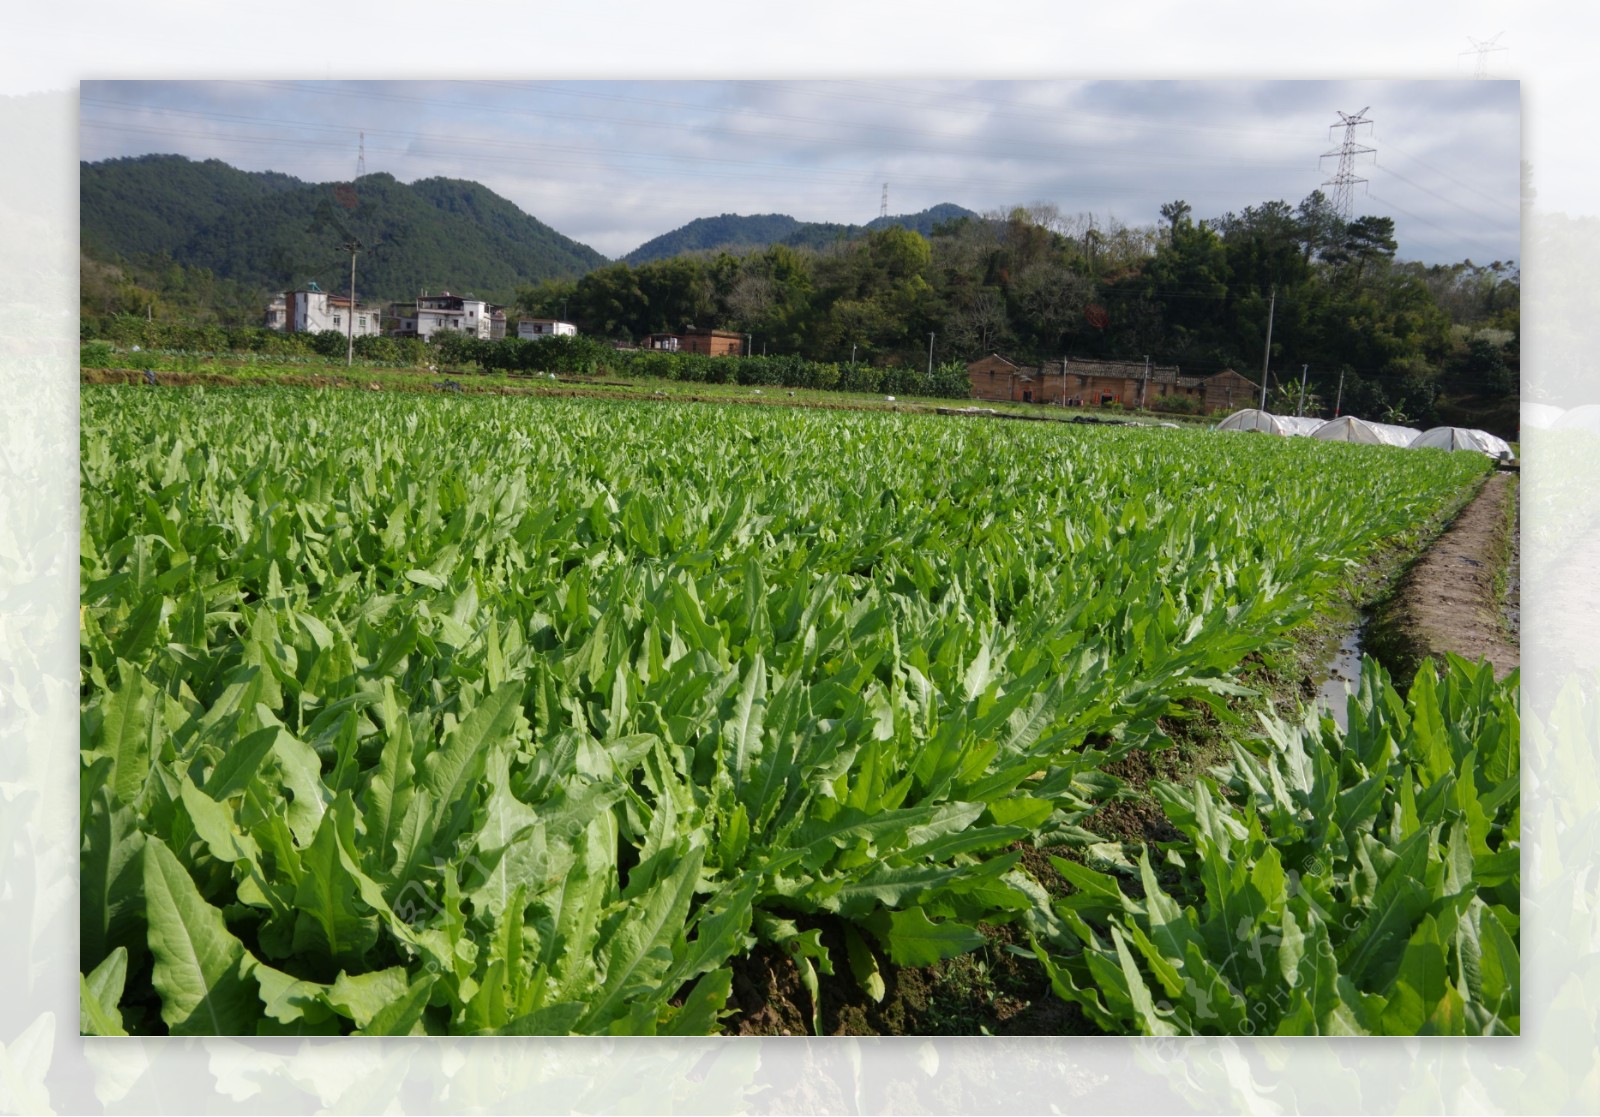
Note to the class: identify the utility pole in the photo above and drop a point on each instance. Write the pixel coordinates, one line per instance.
(1063, 380)
(1338, 399)
(1345, 177)
(930, 354)
(1301, 410)
(352, 247)
(1267, 352)
(852, 353)
(1144, 383)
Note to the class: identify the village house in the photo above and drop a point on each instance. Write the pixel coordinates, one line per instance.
(533, 329)
(430, 313)
(698, 339)
(1085, 383)
(1228, 391)
(712, 343)
(312, 310)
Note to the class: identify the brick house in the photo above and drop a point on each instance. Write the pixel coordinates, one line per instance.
(1080, 383)
(993, 378)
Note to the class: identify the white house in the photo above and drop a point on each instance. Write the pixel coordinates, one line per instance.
(473, 317)
(535, 328)
(311, 310)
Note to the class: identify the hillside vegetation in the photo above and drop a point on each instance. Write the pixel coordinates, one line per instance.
(1376, 335)
(146, 216)
(730, 232)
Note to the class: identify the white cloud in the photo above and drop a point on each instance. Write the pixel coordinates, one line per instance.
(615, 163)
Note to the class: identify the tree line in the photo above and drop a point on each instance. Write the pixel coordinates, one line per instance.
(1382, 336)
(1385, 336)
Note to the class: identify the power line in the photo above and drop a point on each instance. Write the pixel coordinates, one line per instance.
(1012, 109)
(1448, 232)
(1426, 190)
(1391, 146)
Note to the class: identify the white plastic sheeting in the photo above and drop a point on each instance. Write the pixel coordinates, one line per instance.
(1583, 417)
(1462, 438)
(1301, 424)
(1541, 416)
(1252, 419)
(1347, 428)
(1396, 436)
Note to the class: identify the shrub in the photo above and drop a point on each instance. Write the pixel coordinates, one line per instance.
(1176, 405)
(96, 354)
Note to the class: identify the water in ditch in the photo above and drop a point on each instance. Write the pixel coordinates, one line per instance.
(1341, 675)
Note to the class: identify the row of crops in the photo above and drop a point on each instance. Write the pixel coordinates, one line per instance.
(421, 714)
(567, 355)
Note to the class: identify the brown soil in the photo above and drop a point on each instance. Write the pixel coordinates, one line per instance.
(1449, 601)
(990, 990)
(1138, 819)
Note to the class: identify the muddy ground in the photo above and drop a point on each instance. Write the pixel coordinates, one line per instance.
(1453, 598)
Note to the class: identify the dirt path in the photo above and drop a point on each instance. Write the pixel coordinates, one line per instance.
(1451, 599)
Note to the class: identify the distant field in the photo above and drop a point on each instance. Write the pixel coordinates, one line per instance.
(316, 371)
(444, 712)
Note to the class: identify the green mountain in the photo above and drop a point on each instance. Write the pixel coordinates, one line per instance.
(271, 231)
(731, 232)
(925, 221)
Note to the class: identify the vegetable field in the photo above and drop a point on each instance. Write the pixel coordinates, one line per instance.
(443, 714)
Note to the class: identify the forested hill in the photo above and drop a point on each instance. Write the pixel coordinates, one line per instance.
(926, 221)
(732, 232)
(269, 231)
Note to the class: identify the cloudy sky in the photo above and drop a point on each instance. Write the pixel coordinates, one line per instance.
(613, 164)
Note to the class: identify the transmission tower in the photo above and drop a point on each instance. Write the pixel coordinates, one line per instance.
(361, 156)
(1345, 177)
(1483, 49)
(883, 206)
